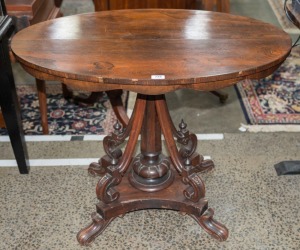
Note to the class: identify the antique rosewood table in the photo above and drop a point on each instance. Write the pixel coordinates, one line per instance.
(151, 52)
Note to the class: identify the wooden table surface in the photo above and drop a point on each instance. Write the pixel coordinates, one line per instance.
(126, 48)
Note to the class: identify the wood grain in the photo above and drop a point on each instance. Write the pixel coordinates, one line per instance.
(101, 5)
(123, 49)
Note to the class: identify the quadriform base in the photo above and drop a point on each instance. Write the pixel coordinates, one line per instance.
(150, 180)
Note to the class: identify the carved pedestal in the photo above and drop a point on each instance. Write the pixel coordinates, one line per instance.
(150, 180)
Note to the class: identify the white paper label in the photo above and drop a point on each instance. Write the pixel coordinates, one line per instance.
(158, 77)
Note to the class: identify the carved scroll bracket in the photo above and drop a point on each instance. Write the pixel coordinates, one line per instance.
(114, 164)
(113, 153)
(187, 152)
(185, 161)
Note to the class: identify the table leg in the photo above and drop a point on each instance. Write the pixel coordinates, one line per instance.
(42, 97)
(171, 183)
(115, 98)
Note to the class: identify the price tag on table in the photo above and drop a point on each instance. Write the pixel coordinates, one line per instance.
(158, 77)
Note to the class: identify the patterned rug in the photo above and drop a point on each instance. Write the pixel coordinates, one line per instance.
(278, 8)
(64, 116)
(275, 99)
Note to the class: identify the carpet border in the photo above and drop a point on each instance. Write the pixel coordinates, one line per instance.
(251, 119)
(243, 106)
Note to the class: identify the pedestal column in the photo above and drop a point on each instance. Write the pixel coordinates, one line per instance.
(151, 169)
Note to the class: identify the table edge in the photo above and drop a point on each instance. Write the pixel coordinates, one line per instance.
(158, 88)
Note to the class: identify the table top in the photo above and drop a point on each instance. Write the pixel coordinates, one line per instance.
(151, 51)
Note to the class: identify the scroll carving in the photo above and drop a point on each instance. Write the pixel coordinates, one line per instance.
(211, 226)
(114, 164)
(88, 234)
(186, 161)
(188, 142)
(113, 153)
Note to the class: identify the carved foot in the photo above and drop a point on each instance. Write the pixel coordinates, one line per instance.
(211, 226)
(205, 165)
(95, 169)
(198, 162)
(99, 168)
(88, 234)
(68, 94)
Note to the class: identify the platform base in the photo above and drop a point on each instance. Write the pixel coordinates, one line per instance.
(133, 199)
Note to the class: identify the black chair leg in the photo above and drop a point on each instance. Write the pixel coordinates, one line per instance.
(11, 110)
(11, 113)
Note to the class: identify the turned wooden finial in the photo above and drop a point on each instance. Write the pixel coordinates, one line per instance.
(117, 127)
(182, 125)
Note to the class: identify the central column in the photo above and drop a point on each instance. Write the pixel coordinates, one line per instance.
(151, 169)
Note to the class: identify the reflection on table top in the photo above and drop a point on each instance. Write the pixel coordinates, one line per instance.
(165, 49)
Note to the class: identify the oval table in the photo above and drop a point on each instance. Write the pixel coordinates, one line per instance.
(151, 52)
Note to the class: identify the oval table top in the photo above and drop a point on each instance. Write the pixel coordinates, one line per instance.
(151, 51)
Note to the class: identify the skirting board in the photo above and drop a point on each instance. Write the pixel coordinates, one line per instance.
(57, 162)
(40, 138)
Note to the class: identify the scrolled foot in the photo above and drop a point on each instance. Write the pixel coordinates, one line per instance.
(211, 226)
(95, 169)
(206, 165)
(88, 234)
(198, 162)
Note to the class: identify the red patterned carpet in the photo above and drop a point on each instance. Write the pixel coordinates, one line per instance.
(64, 116)
(275, 99)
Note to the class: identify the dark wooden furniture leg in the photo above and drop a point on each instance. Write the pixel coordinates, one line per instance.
(150, 180)
(90, 100)
(217, 5)
(41, 90)
(66, 92)
(222, 95)
(223, 6)
(42, 96)
(115, 98)
(10, 108)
